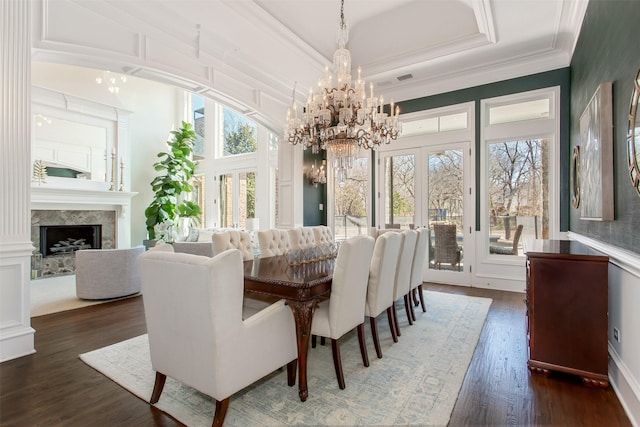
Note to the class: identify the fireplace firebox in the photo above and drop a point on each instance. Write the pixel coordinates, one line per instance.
(66, 239)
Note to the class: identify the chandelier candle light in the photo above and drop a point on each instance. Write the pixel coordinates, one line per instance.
(339, 117)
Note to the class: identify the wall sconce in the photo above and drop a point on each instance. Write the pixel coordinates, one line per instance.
(317, 175)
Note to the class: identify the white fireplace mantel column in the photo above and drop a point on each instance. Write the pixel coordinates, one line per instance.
(16, 333)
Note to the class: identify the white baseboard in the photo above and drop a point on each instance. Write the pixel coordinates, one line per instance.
(625, 270)
(16, 344)
(626, 387)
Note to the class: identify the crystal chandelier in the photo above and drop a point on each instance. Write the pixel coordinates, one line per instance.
(339, 117)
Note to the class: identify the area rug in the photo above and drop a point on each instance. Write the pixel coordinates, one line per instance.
(54, 294)
(415, 383)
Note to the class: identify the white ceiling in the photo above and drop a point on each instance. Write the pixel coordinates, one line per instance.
(443, 45)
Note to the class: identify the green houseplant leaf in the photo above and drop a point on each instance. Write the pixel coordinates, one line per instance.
(174, 182)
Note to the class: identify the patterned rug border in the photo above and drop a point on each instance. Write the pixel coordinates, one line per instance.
(415, 383)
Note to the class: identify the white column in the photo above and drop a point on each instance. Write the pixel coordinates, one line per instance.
(290, 207)
(16, 334)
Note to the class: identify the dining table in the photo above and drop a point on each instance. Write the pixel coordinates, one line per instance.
(302, 286)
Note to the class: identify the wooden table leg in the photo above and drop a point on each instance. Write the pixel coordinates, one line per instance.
(303, 314)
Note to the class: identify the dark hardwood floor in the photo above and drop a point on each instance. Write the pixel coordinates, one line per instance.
(54, 388)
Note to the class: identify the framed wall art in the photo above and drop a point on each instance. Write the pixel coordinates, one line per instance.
(633, 135)
(596, 156)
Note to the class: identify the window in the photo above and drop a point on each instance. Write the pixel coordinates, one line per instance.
(350, 202)
(518, 190)
(240, 134)
(436, 124)
(400, 199)
(197, 119)
(520, 173)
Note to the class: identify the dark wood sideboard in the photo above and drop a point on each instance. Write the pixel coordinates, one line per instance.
(567, 309)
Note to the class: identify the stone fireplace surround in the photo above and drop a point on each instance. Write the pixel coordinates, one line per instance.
(74, 206)
(65, 264)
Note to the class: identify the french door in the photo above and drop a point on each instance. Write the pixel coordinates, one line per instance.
(237, 196)
(430, 187)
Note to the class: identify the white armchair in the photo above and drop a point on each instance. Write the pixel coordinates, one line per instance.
(193, 310)
(382, 273)
(273, 242)
(107, 273)
(233, 239)
(344, 310)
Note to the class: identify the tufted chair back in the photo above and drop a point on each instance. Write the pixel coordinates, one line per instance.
(322, 235)
(233, 239)
(302, 237)
(273, 242)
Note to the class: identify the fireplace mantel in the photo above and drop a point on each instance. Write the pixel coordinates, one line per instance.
(45, 197)
(54, 198)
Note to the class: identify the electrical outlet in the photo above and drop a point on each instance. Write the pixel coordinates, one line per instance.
(616, 334)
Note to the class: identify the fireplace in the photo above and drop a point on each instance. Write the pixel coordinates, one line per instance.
(57, 240)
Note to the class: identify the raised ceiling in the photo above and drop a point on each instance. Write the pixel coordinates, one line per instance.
(407, 48)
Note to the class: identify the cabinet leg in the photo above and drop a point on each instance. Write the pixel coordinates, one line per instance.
(539, 371)
(593, 382)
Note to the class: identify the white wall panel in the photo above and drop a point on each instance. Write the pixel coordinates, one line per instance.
(88, 26)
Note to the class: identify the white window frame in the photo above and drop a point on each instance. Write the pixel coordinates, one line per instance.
(533, 128)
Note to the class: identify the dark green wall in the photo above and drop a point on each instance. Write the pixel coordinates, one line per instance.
(553, 78)
(608, 50)
(313, 196)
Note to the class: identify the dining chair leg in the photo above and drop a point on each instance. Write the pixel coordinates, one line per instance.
(424, 309)
(363, 345)
(415, 297)
(337, 363)
(392, 324)
(157, 387)
(395, 321)
(292, 367)
(313, 341)
(221, 412)
(376, 338)
(407, 309)
(413, 313)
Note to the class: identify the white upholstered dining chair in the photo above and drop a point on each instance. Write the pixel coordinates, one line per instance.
(193, 309)
(402, 286)
(322, 235)
(233, 239)
(301, 237)
(344, 310)
(273, 242)
(416, 267)
(382, 272)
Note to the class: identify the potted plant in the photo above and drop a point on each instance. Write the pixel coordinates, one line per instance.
(172, 186)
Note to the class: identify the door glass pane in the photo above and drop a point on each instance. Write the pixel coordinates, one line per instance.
(247, 201)
(446, 205)
(400, 200)
(226, 200)
(518, 193)
(350, 214)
